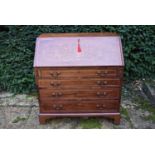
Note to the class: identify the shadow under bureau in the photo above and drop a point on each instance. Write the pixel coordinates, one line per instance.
(79, 74)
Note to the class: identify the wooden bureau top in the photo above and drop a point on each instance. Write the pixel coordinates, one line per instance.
(78, 49)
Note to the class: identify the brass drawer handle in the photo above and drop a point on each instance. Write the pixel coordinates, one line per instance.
(102, 83)
(100, 106)
(99, 82)
(55, 74)
(104, 93)
(60, 94)
(102, 73)
(105, 82)
(57, 94)
(54, 106)
(98, 93)
(54, 84)
(61, 106)
(101, 94)
(58, 107)
(104, 106)
(97, 105)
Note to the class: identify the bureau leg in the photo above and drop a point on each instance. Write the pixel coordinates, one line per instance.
(117, 119)
(42, 119)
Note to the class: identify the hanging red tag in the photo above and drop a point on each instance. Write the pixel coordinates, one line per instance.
(79, 48)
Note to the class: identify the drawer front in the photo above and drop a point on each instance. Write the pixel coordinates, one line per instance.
(68, 73)
(108, 93)
(65, 84)
(82, 106)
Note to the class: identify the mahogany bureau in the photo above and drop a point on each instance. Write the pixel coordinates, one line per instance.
(79, 74)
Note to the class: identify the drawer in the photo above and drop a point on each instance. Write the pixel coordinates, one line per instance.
(108, 93)
(66, 84)
(83, 106)
(68, 73)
